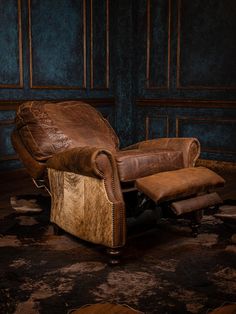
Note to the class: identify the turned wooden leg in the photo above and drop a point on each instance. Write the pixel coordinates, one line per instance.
(114, 255)
(196, 222)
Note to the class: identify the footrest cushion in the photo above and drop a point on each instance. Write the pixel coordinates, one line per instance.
(171, 185)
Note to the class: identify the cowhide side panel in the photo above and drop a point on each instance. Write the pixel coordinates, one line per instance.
(81, 207)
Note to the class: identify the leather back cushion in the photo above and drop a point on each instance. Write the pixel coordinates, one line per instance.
(47, 128)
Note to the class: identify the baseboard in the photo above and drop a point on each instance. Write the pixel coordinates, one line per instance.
(217, 165)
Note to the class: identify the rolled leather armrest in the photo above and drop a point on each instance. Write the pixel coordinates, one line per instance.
(189, 146)
(92, 162)
(99, 165)
(87, 161)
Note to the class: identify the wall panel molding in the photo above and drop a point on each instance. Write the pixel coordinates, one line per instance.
(149, 120)
(6, 122)
(202, 133)
(148, 49)
(96, 102)
(10, 104)
(20, 52)
(189, 103)
(8, 157)
(93, 65)
(179, 84)
(31, 59)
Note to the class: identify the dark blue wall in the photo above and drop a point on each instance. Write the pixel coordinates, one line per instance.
(152, 67)
(65, 49)
(186, 72)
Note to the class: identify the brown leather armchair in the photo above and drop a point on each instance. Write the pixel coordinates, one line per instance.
(72, 145)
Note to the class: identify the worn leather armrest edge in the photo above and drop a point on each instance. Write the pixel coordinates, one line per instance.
(80, 160)
(189, 146)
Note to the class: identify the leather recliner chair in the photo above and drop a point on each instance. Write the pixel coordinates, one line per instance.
(72, 145)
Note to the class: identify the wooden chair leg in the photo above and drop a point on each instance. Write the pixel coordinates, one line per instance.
(196, 222)
(114, 255)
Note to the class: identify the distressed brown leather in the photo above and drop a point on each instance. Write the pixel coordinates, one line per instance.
(47, 128)
(189, 146)
(136, 163)
(72, 139)
(196, 203)
(107, 166)
(172, 185)
(81, 160)
(35, 168)
(92, 162)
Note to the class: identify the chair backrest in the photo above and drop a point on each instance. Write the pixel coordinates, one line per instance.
(47, 128)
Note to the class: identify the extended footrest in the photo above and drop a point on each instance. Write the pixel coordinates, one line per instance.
(186, 183)
(195, 203)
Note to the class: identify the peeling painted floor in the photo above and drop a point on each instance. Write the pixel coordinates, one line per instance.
(164, 269)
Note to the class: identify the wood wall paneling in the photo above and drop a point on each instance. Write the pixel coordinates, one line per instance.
(158, 44)
(99, 44)
(156, 127)
(215, 135)
(213, 122)
(11, 69)
(186, 103)
(190, 43)
(206, 45)
(6, 127)
(57, 44)
(7, 105)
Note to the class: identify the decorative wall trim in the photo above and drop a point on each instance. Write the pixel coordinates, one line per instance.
(147, 124)
(178, 82)
(84, 44)
(9, 105)
(8, 157)
(6, 122)
(187, 103)
(31, 54)
(96, 102)
(20, 54)
(148, 86)
(201, 121)
(107, 49)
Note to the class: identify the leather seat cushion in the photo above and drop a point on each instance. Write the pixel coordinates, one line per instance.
(47, 128)
(137, 163)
